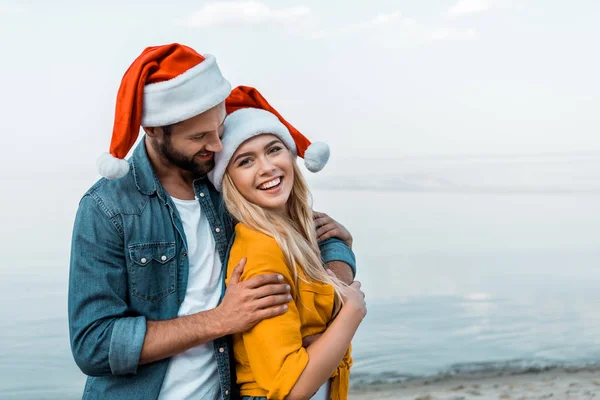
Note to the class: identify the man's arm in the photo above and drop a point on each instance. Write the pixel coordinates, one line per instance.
(335, 243)
(342, 271)
(106, 339)
(244, 305)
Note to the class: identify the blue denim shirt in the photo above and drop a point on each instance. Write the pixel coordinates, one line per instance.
(129, 264)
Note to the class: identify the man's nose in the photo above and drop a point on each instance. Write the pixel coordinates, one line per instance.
(214, 144)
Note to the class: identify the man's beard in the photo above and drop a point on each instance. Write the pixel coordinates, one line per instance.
(184, 162)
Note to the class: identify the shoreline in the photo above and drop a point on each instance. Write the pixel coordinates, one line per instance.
(551, 383)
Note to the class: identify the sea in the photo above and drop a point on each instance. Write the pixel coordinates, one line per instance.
(469, 263)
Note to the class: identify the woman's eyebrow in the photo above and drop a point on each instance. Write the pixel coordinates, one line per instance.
(271, 143)
(248, 153)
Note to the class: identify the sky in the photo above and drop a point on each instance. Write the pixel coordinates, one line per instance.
(374, 79)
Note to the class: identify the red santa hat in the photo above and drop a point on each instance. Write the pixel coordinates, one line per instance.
(249, 115)
(164, 85)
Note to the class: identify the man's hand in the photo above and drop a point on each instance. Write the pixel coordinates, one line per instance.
(245, 304)
(249, 302)
(327, 228)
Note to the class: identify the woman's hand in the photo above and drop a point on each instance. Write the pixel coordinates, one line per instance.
(354, 300)
(327, 228)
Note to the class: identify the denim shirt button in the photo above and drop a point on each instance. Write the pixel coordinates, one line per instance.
(143, 261)
(226, 392)
(201, 194)
(221, 350)
(218, 230)
(164, 258)
(184, 254)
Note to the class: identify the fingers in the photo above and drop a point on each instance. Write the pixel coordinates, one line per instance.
(271, 312)
(329, 234)
(321, 218)
(324, 220)
(356, 285)
(325, 228)
(273, 301)
(265, 279)
(237, 272)
(270, 290)
(317, 215)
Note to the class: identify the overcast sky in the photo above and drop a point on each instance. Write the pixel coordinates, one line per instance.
(372, 78)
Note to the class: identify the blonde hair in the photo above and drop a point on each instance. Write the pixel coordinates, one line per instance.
(294, 233)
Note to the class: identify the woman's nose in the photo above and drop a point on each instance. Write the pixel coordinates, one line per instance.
(266, 167)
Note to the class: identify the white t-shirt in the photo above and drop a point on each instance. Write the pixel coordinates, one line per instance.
(193, 374)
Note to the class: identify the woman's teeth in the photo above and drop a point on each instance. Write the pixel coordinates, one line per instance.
(270, 184)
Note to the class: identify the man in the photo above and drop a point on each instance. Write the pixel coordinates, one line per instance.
(149, 315)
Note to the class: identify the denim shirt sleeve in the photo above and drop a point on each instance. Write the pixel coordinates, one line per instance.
(334, 249)
(105, 340)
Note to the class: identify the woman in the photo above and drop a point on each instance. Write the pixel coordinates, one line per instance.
(264, 190)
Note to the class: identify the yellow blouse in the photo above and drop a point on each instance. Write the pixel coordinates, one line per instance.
(269, 357)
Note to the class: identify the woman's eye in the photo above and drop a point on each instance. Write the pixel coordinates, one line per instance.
(274, 149)
(244, 162)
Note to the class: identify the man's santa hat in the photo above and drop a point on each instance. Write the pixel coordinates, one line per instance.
(249, 115)
(164, 85)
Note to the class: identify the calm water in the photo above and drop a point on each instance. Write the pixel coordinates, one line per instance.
(454, 281)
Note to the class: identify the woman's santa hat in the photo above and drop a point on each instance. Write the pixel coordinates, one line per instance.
(249, 115)
(164, 85)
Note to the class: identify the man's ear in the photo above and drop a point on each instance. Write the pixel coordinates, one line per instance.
(153, 132)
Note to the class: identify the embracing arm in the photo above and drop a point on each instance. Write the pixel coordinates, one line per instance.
(106, 338)
(244, 304)
(166, 338)
(335, 243)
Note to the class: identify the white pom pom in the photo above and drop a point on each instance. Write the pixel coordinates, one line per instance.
(316, 156)
(111, 167)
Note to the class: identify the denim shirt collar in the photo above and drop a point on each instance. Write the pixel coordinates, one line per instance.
(145, 179)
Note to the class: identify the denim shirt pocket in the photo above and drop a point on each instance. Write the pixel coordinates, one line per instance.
(153, 268)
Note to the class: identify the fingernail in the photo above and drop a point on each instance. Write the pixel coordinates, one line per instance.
(288, 287)
(280, 277)
(285, 307)
(289, 297)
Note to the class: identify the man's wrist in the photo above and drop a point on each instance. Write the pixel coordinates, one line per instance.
(210, 324)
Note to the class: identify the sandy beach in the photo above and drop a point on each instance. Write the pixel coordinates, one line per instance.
(561, 384)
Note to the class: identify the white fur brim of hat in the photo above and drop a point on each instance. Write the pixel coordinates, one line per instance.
(247, 123)
(165, 103)
(196, 90)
